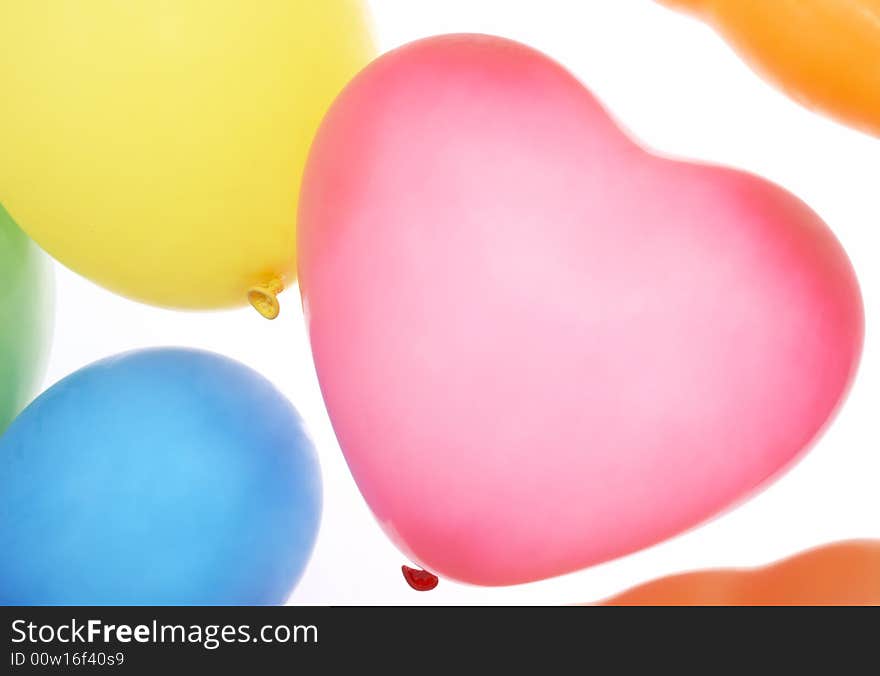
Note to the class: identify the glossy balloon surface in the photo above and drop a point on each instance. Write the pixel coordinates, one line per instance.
(157, 147)
(540, 346)
(163, 476)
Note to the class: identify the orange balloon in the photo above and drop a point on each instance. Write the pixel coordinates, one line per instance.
(844, 573)
(823, 53)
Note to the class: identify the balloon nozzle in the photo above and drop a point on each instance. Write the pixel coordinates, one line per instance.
(420, 580)
(264, 298)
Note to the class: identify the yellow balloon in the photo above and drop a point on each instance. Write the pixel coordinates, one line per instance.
(157, 146)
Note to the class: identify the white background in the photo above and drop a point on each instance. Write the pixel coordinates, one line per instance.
(677, 86)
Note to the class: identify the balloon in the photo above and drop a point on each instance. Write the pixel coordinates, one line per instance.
(823, 53)
(540, 346)
(157, 147)
(843, 573)
(25, 318)
(163, 476)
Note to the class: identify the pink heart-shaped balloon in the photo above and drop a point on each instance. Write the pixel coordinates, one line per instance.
(540, 346)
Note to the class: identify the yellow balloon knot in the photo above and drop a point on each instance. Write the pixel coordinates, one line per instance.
(264, 297)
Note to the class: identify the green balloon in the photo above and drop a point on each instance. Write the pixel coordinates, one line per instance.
(26, 301)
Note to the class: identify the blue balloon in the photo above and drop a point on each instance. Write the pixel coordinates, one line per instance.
(163, 476)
